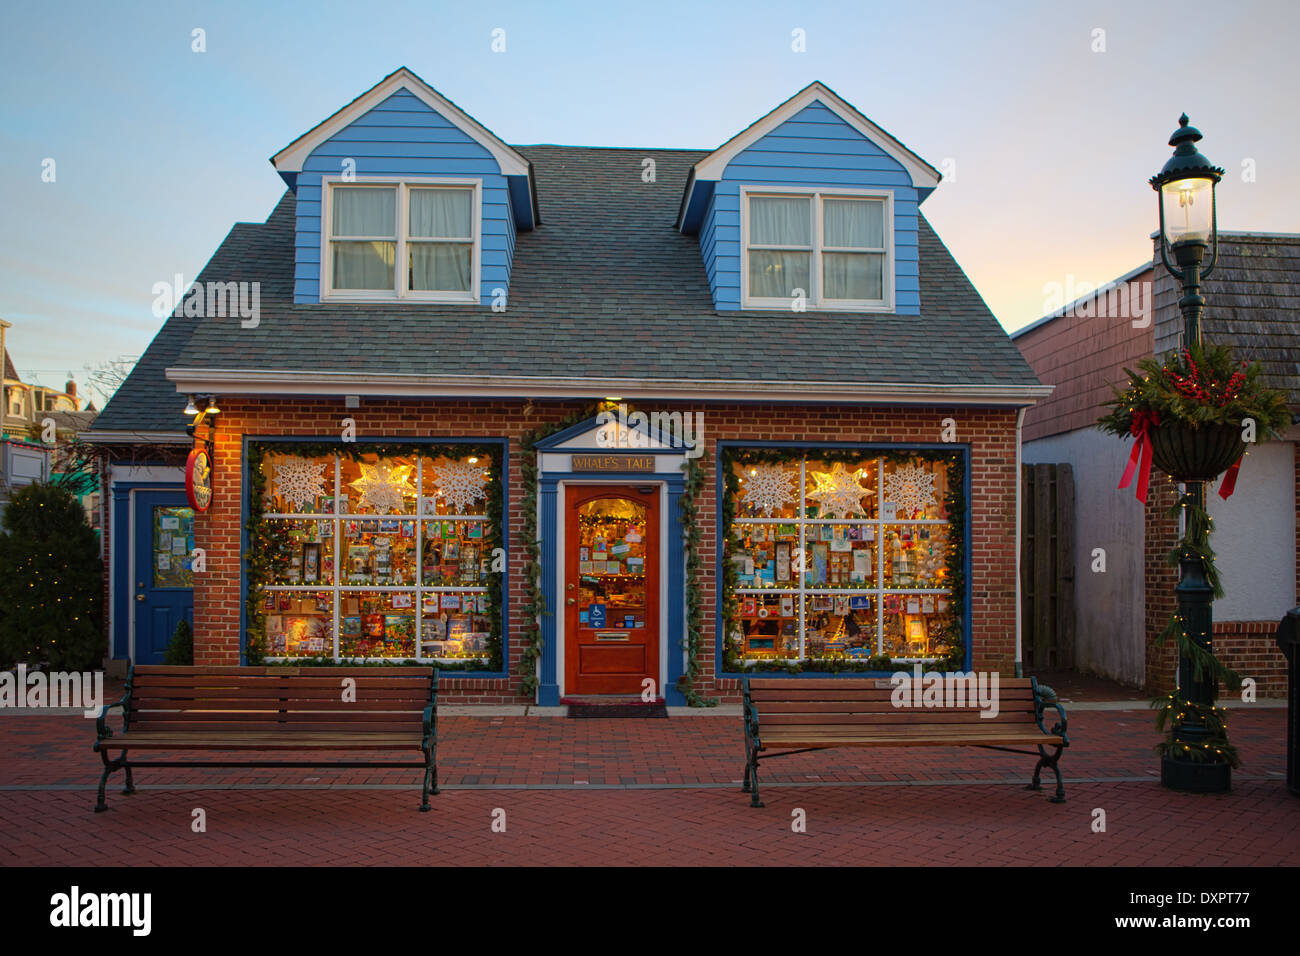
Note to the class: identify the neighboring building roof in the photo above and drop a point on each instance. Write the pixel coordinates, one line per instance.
(1252, 304)
(76, 422)
(10, 371)
(1071, 308)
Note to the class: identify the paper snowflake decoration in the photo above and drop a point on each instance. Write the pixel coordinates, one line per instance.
(460, 484)
(299, 480)
(838, 492)
(911, 487)
(384, 487)
(769, 488)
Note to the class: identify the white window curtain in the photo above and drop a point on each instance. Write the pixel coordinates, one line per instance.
(853, 224)
(780, 221)
(441, 214)
(370, 213)
(441, 267)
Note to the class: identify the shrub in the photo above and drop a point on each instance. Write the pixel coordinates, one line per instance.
(51, 586)
(180, 650)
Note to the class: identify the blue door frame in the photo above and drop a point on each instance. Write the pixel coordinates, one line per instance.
(673, 547)
(141, 601)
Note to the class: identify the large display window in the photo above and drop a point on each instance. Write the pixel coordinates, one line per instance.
(841, 555)
(375, 553)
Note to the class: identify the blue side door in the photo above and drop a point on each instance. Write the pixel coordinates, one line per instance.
(163, 592)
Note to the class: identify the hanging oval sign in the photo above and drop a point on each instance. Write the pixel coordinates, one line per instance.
(198, 480)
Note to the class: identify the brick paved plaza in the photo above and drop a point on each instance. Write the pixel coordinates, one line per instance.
(653, 792)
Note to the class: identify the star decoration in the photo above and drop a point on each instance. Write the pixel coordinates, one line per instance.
(384, 487)
(460, 484)
(838, 492)
(769, 487)
(299, 480)
(911, 487)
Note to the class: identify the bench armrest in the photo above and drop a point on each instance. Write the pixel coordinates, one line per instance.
(102, 730)
(750, 715)
(431, 709)
(1045, 697)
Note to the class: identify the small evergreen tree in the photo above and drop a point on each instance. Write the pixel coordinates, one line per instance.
(180, 650)
(51, 582)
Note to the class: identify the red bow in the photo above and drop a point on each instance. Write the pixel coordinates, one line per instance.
(1140, 428)
(1229, 483)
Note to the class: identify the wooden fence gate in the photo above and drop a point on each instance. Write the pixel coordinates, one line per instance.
(1047, 566)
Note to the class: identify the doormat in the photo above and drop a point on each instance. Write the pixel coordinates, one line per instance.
(618, 709)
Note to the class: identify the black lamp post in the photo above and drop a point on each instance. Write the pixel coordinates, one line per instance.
(1188, 226)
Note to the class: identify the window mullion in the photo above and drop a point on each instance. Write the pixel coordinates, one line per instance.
(399, 267)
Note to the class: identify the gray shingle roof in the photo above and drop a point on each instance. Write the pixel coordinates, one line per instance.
(1252, 303)
(606, 287)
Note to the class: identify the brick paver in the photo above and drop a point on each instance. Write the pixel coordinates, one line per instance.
(647, 792)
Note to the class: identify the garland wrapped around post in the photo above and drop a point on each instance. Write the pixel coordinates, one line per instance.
(695, 474)
(260, 561)
(952, 641)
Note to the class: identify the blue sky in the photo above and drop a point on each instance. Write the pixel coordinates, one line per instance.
(159, 149)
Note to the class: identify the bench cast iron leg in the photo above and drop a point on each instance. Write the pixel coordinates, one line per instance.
(1046, 761)
(752, 775)
(109, 766)
(130, 780)
(430, 777)
(746, 787)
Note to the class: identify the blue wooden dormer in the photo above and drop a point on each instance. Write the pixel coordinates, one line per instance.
(813, 201)
(404, 197)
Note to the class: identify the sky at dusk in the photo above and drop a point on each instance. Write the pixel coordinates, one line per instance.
(1046, 119)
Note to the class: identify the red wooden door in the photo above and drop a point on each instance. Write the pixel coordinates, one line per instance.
(611, 589)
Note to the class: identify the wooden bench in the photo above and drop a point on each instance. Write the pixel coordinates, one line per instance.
(273, 710)
(796, 715)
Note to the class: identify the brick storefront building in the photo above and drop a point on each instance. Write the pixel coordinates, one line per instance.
(516, 454)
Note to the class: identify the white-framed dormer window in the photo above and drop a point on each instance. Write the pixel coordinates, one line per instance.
(385, 238)
(832, 247)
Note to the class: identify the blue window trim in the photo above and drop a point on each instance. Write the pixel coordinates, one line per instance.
(120, 592)
(548, 690)
(963, 448)
(504, 443)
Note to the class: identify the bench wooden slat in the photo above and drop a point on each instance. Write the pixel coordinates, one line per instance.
(244, 741)
(275, 729)
(289, 702)
(268, 670)
(836, 693)
(899, 717)
(983, 740)
(859, 683)
(274, 683)
(872, 707)
(272, 693)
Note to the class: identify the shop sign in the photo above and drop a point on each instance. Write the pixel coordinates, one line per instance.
(642, 463)
(198, 480)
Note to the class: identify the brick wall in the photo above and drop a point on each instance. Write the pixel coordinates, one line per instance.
(1161, 533)
(1249, 648)
(990, 433)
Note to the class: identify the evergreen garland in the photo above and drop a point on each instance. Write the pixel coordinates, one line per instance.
(695, 474)
(951, 642)
(534, 605)
(260, 561)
